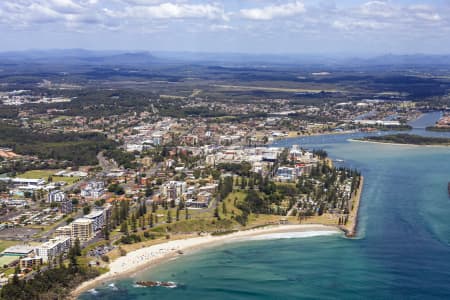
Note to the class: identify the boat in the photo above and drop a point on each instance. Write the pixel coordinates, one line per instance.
(168, 284)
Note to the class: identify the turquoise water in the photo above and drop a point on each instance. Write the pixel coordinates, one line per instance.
(402, 252)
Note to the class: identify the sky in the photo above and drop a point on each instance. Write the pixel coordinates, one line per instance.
(229, 26)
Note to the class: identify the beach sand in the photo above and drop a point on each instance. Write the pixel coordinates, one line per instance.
(394, 144)
(145, 258)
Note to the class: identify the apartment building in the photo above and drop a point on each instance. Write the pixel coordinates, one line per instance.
(82, 229)
(53, 248)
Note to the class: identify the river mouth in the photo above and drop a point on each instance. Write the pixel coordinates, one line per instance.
(404, 252)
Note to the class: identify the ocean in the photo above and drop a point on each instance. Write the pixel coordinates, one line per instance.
(402, 250)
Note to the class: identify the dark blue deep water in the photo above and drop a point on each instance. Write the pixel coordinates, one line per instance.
(402, 252)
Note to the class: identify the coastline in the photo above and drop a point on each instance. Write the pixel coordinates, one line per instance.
(396, 144)
(289, 136)
(151, 256)
(351, 229)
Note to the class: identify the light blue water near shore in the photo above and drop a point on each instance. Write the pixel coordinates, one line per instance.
(403, 249)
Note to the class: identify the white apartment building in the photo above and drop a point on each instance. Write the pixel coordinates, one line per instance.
(82, 229)
(98, 218)
(56, 196)
(53, 248)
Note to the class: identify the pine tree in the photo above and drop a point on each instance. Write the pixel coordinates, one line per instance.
(106, 232)
(124, 227)
(77, 247)
(133, 223)
(15, 280)
(150, 221)
(224, 208)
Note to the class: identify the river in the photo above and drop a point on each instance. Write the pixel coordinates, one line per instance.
(402, 250)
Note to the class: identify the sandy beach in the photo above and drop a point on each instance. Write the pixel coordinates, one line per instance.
(145, 258)
(395, 144)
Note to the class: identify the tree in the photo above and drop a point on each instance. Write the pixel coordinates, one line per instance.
(178, 214)
(86, 210)
(124, 227)
(77, 247)
(169, 216)
(216, 213)
(150, 221)
(224, 208)
(142, 223)
(106, 232)
(148, 191)
(186, 211)
(133, 223)
(15, 280)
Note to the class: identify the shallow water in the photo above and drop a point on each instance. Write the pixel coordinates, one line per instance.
(402, 251)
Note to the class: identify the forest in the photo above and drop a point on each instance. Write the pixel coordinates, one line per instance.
(78, 148)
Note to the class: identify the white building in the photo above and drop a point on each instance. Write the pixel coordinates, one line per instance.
(53, 248)
(173, 189)
(98, 219)
(56, 196)
(94, 189)
(82, 229)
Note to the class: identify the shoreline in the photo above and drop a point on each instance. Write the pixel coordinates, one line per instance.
(148, 257)
(396, 144)
(315, 134)
(351, 230)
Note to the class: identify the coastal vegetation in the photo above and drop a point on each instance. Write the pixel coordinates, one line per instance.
(408, 139)
(438, 128)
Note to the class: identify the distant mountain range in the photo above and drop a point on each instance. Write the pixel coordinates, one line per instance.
(78, 57)
(142, 58)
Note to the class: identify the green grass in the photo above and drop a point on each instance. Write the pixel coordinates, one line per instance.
(6, 244)
(68, 180)
(37, 174)
(6, 260)
(45, 174)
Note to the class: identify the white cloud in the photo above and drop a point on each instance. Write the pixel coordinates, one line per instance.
(378, 9)
(174, 11)
(274, 11)
(220, 27)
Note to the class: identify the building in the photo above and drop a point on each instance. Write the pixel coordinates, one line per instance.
(173, 189)
(98, 218)
(203, 200)
(82, 229)
(66, 206)
(53, 248)
(24, 181)
(56, 196)
(211, 188)
(64, 231)
(30, 262)
(286, 174)
(94, 189)
(18, 250)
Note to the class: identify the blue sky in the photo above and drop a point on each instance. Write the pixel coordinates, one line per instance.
(250, 26)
